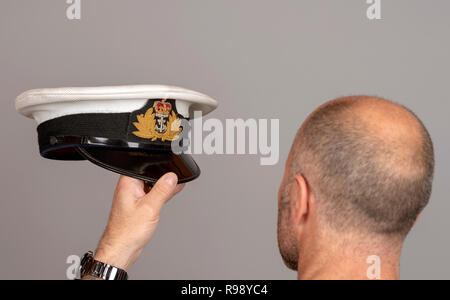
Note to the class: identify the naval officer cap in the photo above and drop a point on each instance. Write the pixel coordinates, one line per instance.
(125, 129)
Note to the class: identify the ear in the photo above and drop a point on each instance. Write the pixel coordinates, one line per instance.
(300, 198)
(417, 220)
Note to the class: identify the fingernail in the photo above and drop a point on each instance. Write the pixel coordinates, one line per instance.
(171, 179)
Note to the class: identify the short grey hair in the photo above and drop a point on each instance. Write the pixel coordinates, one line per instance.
(355, 176)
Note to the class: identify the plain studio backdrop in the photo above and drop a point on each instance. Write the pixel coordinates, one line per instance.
(262, 60)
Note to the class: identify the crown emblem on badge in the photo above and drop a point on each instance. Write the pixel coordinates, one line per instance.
(159, 122)
(162, 107)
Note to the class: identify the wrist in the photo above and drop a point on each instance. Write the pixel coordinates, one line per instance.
(118, 257)
(92, 269)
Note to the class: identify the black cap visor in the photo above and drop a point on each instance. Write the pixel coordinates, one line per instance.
(144, 165)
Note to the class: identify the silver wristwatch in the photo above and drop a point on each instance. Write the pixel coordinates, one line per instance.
(90, 267)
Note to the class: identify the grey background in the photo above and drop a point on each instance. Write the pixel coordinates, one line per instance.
(261, 59)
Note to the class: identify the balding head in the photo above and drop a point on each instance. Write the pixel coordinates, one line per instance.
(369, 163)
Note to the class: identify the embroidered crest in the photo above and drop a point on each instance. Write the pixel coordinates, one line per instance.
(159, 122)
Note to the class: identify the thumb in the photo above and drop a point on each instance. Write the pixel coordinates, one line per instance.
(160, 193)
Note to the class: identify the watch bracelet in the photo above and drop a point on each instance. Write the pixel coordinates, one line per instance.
(90, 267)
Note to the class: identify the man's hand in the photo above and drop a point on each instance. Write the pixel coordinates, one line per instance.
(133, 220)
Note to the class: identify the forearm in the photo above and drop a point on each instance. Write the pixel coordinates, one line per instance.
(89, 277)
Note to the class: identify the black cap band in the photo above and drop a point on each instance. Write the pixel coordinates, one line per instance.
(59, 137)
(136, 144)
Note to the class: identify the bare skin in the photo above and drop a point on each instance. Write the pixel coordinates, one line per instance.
(323, 252)
(133, 220)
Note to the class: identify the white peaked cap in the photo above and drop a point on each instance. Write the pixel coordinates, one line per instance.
(47, 104)
(125, 129)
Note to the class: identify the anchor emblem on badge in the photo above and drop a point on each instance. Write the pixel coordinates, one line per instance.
(162, 112)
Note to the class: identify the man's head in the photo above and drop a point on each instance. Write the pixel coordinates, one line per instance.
(359, 166)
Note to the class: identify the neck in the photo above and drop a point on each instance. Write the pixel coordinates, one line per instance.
(349, 261)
